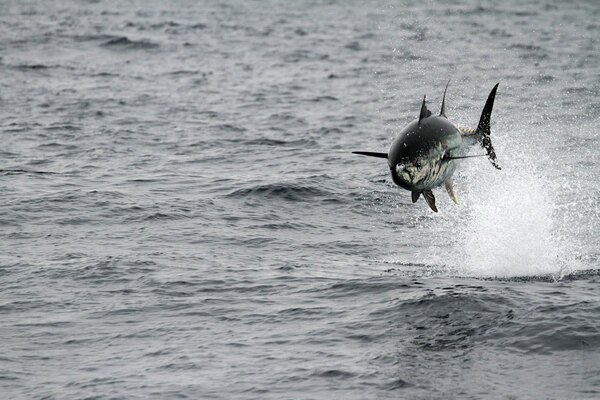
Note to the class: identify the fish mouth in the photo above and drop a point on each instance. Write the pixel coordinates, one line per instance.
(405, 172)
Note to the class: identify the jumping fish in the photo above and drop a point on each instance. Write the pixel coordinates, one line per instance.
(424, 154)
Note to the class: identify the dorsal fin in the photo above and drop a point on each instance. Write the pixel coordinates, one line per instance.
(424, 111)
(443, 111)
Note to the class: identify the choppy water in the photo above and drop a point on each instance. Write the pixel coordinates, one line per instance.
(182, 217)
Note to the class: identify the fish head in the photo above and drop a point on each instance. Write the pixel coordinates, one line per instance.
(416, 169)
(420, 158)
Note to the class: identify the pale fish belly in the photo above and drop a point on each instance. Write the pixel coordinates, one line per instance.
(436, 174)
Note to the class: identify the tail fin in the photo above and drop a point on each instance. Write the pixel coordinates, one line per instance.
(483, 129)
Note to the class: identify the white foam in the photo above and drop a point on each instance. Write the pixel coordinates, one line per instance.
(506, 225)
(510, 228)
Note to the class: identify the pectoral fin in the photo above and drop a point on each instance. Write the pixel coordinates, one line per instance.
(415, 196)
(450, 190)
(428, 194)
(371, 154)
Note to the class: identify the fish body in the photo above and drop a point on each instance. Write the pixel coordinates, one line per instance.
(425, 153)
(421, 156)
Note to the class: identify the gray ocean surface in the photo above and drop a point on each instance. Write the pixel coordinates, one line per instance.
(181, 215)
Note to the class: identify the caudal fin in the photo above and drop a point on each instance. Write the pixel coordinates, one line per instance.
(483, 129)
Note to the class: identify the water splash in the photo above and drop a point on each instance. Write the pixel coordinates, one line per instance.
(510, 222)
(509, 231)
(537, 217)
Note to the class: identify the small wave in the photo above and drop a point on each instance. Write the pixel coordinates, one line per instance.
(165, 24)
(334, 374)
(529, 50)
(453, 320)
(260, 141)
(286, 225)
(57, 145)
(550, 277)
(230, 128)
(63, 128)
(183, 72)
(326, 131)
(397, 384)
(24, 171)
(39, 68)
(304, 55)
(291, 192)
(278, 142)
(93, 37)
(24, 67)
(542, 337)
(525, 13)
(358, 286)
(111, 269)
(501, 33)
(300, 32)
(266, 142)
(161, 216)
(123, 42)
(320, 99)
(544, 78)
(355, 45)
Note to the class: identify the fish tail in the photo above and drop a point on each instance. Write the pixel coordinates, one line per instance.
(483, 128)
